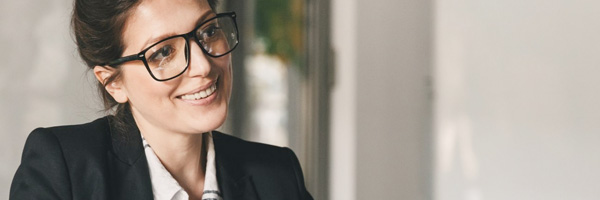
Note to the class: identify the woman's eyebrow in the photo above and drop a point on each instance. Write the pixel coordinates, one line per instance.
(157, 38)
(204, 17)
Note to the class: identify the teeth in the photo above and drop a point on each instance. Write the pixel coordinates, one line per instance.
(200, 95)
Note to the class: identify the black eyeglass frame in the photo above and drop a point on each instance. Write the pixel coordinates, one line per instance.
(192, 34)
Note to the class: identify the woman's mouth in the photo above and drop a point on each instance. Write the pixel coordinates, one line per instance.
(201, 94)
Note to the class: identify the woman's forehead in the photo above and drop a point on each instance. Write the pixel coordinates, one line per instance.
(152, 19)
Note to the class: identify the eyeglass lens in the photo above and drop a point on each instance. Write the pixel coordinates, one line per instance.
(217, 37)
(169, 59)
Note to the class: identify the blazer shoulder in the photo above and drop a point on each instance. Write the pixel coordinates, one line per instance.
(270, 166)
(43, 171)
(84, 135)
(78, 143)
(98, 126)
(58, 162)
(243, 150)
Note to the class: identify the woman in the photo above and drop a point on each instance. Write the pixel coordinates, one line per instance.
(164, 67)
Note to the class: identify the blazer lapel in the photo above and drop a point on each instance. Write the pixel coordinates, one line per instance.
(129, 173)
(130, 176)
(233, 182)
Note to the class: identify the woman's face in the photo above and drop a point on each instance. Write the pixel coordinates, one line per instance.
(159, 105)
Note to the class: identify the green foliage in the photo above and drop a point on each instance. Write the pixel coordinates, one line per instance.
(280, 25)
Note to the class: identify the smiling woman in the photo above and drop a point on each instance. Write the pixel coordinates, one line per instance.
(164, 71)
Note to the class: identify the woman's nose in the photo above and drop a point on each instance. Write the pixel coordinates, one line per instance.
(199, 64)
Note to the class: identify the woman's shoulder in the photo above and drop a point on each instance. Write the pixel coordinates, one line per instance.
(52, 155)
(91, 132)
(91, 137)
(254, 156)
(269, 166)
(98, 124)
(242, 149)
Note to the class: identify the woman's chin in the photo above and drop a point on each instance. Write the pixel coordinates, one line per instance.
(206, 125)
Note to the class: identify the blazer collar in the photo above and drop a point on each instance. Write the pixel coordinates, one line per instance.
(126, 140)
(129, 173)
(234, 182)
(128, 148)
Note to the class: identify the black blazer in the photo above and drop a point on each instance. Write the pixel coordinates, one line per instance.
(97, 161)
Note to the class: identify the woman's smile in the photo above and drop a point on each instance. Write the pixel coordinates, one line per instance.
(201, 96)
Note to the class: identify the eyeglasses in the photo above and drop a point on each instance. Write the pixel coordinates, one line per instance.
(170, 57)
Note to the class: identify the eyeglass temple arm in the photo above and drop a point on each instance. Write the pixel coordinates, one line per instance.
(118, 61)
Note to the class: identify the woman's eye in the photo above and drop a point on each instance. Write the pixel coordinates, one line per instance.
(161, 54)
(210, 31)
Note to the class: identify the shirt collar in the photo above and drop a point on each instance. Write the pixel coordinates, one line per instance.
(165, 187)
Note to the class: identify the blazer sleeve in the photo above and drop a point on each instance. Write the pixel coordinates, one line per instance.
(43, 173)
(304, 194)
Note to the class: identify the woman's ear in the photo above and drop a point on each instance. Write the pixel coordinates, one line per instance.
(115, 88)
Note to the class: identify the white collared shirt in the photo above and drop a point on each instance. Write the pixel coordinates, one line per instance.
(165, 187)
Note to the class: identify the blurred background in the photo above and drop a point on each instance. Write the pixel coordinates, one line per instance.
(380, 99)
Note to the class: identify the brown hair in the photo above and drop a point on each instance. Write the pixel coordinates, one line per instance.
(98, 27)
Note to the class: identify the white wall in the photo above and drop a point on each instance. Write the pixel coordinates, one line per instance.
(514, 109)
(393, 104)
(517, 99)
(381, 106)
(342, 173)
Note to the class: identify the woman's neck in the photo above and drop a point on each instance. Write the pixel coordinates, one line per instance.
(181, 154)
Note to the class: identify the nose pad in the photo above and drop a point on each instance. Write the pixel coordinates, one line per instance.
(199, 65)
